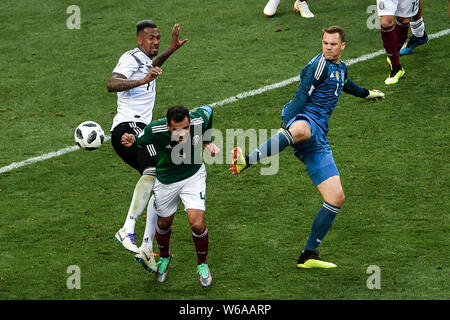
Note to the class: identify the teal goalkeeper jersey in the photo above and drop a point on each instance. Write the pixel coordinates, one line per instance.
(178, 161)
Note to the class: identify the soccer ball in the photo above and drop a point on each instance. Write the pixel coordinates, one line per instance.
(89, 135)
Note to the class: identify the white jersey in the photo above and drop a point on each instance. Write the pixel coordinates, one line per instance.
(135, 105)
(398, 8)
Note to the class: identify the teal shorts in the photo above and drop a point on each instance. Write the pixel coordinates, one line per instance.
(316, 153)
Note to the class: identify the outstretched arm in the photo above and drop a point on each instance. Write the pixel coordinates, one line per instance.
(353, 89)
(174, 46)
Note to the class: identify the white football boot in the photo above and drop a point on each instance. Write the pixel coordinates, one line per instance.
(271, 8)
(127, 240)
(147, 259)
(302, 7)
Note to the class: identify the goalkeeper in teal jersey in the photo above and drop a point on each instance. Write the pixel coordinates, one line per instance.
(180, 175)
(305, 128)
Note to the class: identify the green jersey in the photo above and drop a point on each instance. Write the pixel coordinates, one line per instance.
(177, 161)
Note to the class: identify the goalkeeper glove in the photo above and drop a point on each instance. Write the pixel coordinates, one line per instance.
(374, 94)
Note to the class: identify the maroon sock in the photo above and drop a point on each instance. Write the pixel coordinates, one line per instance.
(201, 246)
(401, 30)
(390, 41)
(163, 240)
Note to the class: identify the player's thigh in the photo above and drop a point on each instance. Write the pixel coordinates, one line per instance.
(317, 140)
(139, 159)
(146, 155)
(146, 159)
(193, 192)
(166, 198)
(332, 191)
(127, 155)
(320, 165)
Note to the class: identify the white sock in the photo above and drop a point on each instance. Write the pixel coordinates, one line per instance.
(417, 27)
(141, 195)
(150, 226)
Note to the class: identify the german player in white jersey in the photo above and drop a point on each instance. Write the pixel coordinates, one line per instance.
(133, 79)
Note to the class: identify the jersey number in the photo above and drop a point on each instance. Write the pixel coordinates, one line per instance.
(415, 4)
(337, 88)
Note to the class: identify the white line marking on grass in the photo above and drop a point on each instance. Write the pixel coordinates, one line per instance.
(16, 165)
(439, 34)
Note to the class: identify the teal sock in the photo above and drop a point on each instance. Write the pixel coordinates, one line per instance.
(273, 146)
(322, 223)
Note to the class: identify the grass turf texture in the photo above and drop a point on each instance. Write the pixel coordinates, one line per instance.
(392, 155)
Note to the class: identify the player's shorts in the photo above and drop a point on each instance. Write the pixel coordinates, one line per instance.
(191, 191)
(139, 159)
(398, 8)
(315, 153)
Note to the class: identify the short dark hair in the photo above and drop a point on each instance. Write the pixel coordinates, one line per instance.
(177, 114)
(335, 29)
(141, 25)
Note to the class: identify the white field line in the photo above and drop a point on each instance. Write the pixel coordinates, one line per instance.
(16, 165)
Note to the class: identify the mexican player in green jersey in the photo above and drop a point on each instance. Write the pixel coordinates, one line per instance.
(180, 175)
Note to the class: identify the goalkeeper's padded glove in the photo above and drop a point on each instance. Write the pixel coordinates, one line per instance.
(374, 94)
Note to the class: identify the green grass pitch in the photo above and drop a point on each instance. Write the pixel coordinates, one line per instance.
(393, 155)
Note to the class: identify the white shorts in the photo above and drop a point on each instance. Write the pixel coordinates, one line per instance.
(191, 191)
(398, 8)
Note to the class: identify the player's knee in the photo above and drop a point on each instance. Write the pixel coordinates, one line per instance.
(336, 198)
(300, 132)
(164, 223)
(387, 22)
(339, 198)
(403, 20)
(198, 227)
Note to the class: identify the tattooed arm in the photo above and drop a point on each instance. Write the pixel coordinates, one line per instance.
(118, 82)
